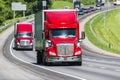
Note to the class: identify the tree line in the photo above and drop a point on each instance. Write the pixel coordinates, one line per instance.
(32, 6)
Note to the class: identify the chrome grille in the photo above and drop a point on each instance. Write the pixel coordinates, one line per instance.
(24, 42)
(65, 49)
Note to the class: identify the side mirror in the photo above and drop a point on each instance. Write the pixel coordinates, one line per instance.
(82, 35)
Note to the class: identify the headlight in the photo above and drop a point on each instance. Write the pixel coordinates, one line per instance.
(48, 43)
(78, 44)
(31, 43)
(18, 42)
(78, 52)
(52, 53)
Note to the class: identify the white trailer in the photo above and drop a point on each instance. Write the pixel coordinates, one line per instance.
(116, 2)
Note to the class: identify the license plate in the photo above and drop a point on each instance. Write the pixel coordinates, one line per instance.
(62, 58)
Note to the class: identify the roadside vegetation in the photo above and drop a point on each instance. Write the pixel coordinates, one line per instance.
(6, 12)
(61, 4)
(106, 31)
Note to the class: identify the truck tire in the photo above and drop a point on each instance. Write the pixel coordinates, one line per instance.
(76, 63)
(79, 63)
(39, 57)
(15, 47)
(45, 62)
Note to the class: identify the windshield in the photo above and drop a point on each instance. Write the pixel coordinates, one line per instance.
(24, 35)
(63, 33)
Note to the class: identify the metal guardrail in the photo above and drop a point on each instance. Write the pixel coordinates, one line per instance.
(94, 34)
(12, 23)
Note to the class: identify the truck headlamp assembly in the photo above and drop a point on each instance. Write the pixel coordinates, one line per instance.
(18, 43)
(48, 43)
(31, 43)
(78, 44)
(52, 53)
(78, 52)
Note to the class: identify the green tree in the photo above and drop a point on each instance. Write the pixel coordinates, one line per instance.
(2, 18)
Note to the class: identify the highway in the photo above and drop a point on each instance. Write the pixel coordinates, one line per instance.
(21, 65)
(95, 67)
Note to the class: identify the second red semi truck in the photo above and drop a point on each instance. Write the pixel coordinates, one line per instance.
(57, 37)
(23, 35)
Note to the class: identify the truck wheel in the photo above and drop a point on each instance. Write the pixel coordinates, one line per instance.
(76, 63)
(46, 63)
(15, 45)
(39, 57)
(32, 48)
(80, 63)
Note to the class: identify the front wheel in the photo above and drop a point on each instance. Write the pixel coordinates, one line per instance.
(45, 62)
(79, 63)
(39, 57)
(15, 47)
(76, 63)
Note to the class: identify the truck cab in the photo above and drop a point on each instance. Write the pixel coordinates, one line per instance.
(61, 37)
(23, 36)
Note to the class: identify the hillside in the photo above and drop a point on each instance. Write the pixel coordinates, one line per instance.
(62, 3)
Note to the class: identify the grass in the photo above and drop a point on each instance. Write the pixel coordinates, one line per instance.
(108, 32)
(61, 4)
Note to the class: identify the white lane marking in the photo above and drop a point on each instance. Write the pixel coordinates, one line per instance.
(43, 66)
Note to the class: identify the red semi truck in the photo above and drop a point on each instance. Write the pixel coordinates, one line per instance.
(23, 36)
(57, 37)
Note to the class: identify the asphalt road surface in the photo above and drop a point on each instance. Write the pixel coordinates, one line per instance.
(21, 65)
(95, 67)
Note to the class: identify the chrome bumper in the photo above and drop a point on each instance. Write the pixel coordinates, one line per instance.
(25, 47)
(64, 59)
